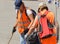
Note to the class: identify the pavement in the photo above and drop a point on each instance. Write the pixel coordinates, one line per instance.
(8, 18)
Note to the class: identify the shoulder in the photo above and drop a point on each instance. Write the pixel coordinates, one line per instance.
(50, 14)
(28, 11)
(50, 17)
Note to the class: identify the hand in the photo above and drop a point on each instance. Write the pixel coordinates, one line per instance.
(54, 30)
(14, 30)
(26, 36)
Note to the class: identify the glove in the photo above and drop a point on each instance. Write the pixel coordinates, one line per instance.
(14, 30)
(26, 35)
(26, 30)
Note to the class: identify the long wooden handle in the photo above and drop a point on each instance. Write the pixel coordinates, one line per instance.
(10, 39)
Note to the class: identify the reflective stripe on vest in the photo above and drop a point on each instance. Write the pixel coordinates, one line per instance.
(23, 22)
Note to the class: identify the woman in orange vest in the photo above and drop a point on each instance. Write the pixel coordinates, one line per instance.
(24, 21)
(46, 31)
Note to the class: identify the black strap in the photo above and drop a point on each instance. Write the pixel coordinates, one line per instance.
(49, 24)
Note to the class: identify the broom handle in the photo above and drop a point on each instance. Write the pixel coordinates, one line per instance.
(10, 39)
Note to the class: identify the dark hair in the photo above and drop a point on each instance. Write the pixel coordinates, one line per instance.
(43, 8)
(38, 10)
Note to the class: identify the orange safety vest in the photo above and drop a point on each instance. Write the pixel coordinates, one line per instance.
(23, 22)
(46, 31)
(44, 38)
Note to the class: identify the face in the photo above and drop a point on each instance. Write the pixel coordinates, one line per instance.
(42, 12)
(22, 8)
(39, 11)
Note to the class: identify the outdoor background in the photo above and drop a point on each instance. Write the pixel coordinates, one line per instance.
(8, 18)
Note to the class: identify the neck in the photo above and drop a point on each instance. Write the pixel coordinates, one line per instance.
(23, 10)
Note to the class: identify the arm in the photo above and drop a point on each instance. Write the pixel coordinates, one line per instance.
(33, 26)
(51, 19)
(16, 23)
(32, 20)
(14, 28)
(30, 15)
(16, 19)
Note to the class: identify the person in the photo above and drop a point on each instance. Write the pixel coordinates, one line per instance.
(45, 23)
(24, 21)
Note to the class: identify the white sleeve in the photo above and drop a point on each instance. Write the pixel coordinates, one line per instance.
(29, 12)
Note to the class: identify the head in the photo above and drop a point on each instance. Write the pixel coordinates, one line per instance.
(42, 8)
(22, 6)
